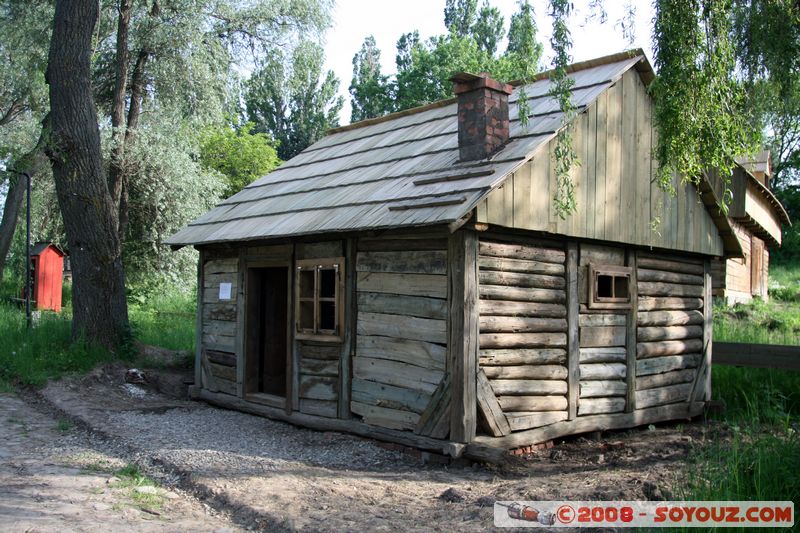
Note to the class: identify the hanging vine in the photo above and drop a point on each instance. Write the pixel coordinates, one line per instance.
(699, 102)
(564, 155)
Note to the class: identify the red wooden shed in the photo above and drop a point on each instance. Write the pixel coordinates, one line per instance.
(47, 266)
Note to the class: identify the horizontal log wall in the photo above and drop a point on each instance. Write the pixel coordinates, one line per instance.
(603, 333)
(670, 328)
(523, 336)
(218, 319)
(401, 335)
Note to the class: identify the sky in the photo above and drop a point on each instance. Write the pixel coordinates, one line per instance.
(353, 20)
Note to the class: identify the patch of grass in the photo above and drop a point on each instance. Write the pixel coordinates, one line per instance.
(132, 479)
(31, 357)
(164, 319)
(758, 322)
(64, 425)
(757, 396)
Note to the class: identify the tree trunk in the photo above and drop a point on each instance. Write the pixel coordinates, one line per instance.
(16, 193)
(118, 103)
(99, 308)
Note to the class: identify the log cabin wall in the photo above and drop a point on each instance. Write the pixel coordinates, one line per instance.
(216, 367)
(673, 329)
(401, 334)
(522, 376)
(602, 368)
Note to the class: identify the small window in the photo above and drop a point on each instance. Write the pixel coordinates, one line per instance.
(319, 299)
(609, 287)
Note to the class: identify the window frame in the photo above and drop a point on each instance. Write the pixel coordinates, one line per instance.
(316, 333)
(605, 302)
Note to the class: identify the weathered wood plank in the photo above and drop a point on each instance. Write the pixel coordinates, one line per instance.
(668, 378)
(654, 333)
(656, 349)
(435, 419)
(684, 267)
(402, 327)
(603, 355)
(521, 294)
(522, 340)
(595, 406)
(462, 342)
(667, 304)
(663, 395)
(488, 408)
(223, 343)
(524, 356)
(601, 320)
(383, 395)
(388, 244)
(431, 285)
(573, 340)
(318, 388)
(384, 417)
(516, 387)
(318, 407)
(220, 328)
(348, 350)
(602, 336)
(419, 353)
(222, 372)
(397, 304)
(221, 266)
(318, 351)
(654, 288)
(396, 373)
(670, 318)
(416, 262)
(499, 307)
(221, 358)
(646, 274)
(526, 372)
(658, 365)
(318, 250)
(516, 279)
(523, 420)
(219, 311)
(602, 388)
(513, 324)
(603, 371)
(708, 327)
(533, 403)
(521, 251)
(520, 265)
(632, 331)
(319, 367)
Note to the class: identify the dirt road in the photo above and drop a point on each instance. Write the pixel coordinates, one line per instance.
(268, 475)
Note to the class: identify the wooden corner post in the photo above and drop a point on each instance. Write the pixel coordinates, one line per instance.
(462, 342)
(708, 328)
(631, 336)
(573, 339)
(198, 335)
(349, 325)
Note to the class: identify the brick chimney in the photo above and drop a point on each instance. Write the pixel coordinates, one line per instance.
(482, 115)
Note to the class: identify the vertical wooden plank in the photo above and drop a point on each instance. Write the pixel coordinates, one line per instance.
(573, 342)
(198, 334)
(628, 220)
(630, 340)
(522, 197)
(600, 229)
(643, 176)
(349, 325)
(291, 384)
(590, 203)
(539, 206)
(707, 325)
(462, 345)
(240, 324)
(614, 162)
(294, 399)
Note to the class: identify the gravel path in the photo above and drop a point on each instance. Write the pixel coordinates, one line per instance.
(274, 476)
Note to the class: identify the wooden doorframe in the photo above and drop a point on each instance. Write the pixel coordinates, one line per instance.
(268, 399)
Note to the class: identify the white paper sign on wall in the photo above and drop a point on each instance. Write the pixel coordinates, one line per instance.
(224, 291)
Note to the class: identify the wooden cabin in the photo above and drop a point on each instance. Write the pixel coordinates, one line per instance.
(756, 217)
(407, 277)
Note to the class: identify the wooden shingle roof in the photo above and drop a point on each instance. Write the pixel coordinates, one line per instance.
(401, 170)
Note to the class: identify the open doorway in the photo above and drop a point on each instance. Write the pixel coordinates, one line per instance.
(267, 331)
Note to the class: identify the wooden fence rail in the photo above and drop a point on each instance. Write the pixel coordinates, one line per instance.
(757, 355)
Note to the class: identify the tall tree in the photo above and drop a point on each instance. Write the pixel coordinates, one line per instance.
(488, 28)
(99, 307)
(293, 100)
(524, 51)
(369, 89)
(459, 16)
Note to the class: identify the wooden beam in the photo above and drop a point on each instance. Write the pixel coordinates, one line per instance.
(631, 337)
(349, 341)
(708, 327)
(239, 343)
(198, 334)
(462, 259)
(489, 408)
(573, 342)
